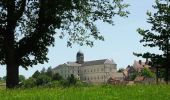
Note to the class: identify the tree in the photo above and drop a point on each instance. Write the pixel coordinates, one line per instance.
(121, 70)
(4, 78)
(21, 78)
(49, 72)
(158, 36)
(71, 80)
(36, 74)
(27, 28)
(57, 77)
(43, 79)
(147, 73)
(43, 70)
(29, 83)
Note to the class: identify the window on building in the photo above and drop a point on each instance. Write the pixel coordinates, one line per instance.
(102, 69)
(94, 70)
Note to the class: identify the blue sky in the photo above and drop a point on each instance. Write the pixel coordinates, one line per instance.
(121, 40)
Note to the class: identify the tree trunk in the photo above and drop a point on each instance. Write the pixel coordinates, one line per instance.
(156, 75)
(166, 76)
(10, 57)
(12, 76)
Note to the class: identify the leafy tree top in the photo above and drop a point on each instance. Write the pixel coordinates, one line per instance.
(29, 26)
(159, 34)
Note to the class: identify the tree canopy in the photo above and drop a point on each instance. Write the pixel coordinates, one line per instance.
(158, 36)
(33, 24)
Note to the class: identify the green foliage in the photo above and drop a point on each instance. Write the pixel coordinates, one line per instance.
(133, 75)
(49, 72)
(147, 73)
(121, 70)
(36, 74)
(21, 78)
(42, 80)
(71, 80)
(29, 83)
(57, 77)
(32, 35)
(158, 36)
(4, 78)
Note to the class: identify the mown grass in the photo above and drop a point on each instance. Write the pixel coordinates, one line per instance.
(135, 92)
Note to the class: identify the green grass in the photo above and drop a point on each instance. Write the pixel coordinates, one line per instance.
(136, 92)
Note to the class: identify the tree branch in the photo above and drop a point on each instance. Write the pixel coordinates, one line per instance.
(20, 12)
(31, 41)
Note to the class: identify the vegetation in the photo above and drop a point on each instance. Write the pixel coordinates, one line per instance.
(24, 38)
(105, 92)
(158, 36)
(147, 73)
(46, 78)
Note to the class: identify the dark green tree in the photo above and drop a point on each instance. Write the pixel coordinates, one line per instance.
(42, 80)
(36, 74)
(4, 78)
(158, 36)
(71, 80)
(57, 77)
(49, 72)
(27, 28)
(21, 78)
(121, 70)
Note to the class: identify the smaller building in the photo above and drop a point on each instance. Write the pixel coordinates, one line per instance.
(137, 67)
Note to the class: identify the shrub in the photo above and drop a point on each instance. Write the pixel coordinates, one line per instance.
(29, 83)
(21, 78)
(147, 73)
(57, 77)
(42, 79)
(71, 80)
(36, 74)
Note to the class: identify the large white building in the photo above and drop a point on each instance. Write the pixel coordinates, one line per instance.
(96, 71)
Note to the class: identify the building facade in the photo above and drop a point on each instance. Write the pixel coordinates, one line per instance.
(96, 71)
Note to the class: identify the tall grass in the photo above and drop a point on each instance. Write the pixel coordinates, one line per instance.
(107, 92)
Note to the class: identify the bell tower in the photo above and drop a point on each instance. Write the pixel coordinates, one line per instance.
(80, 57)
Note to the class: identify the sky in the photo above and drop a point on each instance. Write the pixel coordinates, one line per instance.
(121, 40)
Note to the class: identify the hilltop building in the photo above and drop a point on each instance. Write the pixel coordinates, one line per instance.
(95, 71)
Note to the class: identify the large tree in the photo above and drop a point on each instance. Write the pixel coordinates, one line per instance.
(27, 28)
(158, 36)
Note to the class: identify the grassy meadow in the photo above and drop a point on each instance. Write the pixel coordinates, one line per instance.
(135, 92)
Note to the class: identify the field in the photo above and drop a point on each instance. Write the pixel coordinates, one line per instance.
(135, 92)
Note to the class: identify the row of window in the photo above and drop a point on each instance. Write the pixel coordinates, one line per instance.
(95, 77)
(85, 70)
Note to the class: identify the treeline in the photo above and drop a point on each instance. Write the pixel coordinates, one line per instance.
(47, 78)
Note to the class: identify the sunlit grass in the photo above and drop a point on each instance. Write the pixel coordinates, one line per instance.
(135, 92)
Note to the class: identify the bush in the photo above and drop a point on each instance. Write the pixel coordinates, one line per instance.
(42, 80)
(21, 78)
(147, 73)
(57, 77)
(29, 83)
(36, 74)
(71, 80)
